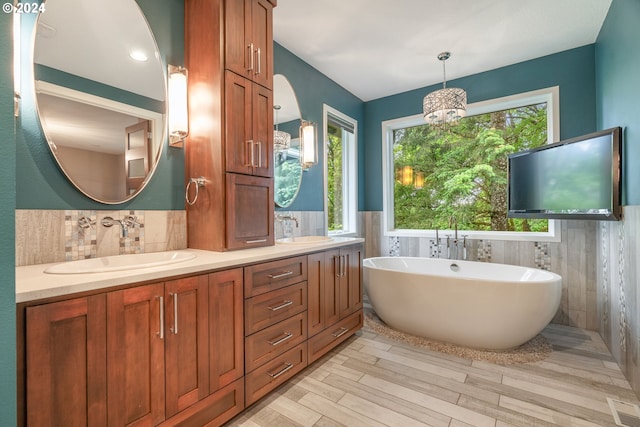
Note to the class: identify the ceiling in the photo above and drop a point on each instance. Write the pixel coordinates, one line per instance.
(377, 48)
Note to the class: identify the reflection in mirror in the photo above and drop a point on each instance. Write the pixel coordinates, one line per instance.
(288, 171)
(100, 92)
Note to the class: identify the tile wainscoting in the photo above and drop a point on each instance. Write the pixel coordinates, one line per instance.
(574, 258)
(617, 289)
(44, 236)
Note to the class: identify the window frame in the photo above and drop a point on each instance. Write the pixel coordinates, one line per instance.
(350, 176)
(549, 95)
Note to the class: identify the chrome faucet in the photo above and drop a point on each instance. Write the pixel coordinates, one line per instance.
(126, 223)
(453, 221)
(288, 217)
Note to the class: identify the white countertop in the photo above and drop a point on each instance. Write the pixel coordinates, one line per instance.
(33, 284)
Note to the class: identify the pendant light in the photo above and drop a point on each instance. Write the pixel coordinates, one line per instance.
(446, 105)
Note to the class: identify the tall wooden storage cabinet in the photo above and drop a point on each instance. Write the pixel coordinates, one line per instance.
(229, 55)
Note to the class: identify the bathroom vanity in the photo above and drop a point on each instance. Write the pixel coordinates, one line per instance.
(187, 344)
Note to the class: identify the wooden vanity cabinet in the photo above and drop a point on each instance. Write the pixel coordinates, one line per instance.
(138, 356)
(275, 324)
(335, 298)
(229, 54)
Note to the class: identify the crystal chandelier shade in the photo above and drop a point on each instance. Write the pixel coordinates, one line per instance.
(281, 139)
(446, 105)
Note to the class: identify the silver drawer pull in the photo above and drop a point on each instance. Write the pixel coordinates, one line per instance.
(340, 332)
(286, 303)
(255, 241)
(280, 275)
(287, 366)
(287, 335)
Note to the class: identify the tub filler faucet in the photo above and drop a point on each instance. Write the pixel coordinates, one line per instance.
(453, 222)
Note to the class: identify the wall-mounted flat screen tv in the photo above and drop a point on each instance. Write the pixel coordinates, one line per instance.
(574, 179)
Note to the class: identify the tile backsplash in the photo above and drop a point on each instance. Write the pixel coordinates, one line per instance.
(44, 236)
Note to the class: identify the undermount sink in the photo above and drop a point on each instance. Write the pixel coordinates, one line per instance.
(120, 262)
(303, 240)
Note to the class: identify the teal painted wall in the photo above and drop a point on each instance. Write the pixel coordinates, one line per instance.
(313, 89)
(7, 228)
(618, 87)
(40, 183)
(573, 71)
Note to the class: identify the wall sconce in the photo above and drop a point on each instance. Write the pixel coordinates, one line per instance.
(308, 144)
(178, 107)
(418, 182)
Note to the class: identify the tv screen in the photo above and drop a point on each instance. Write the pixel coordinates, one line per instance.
(574, 179)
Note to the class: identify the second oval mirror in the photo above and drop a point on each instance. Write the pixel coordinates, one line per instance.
(100, 91)
(287, 168)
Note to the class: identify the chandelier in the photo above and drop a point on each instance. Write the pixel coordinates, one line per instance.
(445, 105)
(281, 139)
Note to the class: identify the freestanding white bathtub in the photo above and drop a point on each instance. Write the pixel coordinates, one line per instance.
(474, 304)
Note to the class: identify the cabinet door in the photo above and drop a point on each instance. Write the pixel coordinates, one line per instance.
(240, 147)
(333, 282)
(315, 293)
(135, 356)
(249, 211)
(249, 39)
(226, 334)
(238, 49)
(350, 272)
(66, 363)
(187, 342)
(262, 39)
(262, 131)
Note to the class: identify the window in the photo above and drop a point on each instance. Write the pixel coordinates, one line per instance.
(433, 175)
(340, 136)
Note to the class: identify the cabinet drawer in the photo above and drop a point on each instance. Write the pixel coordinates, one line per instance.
(270, 308)
(271, 375)
(262, 278)
(274, 340)
(334, 335)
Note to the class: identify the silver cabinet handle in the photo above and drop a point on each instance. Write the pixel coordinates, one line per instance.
(174, 329)
(285, 303)
(251, 153)
(287, 335)
(280, 275)
(161, 320)
(250, 47)
(275, 375)
(337, 270)
(259, 144)
(255, 241)
(344, 265)
(340, 332)
(259, 62)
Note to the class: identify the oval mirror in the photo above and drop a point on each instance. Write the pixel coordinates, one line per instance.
(100, 94)
(287, 168)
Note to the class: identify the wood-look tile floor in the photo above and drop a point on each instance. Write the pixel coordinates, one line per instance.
(372, 381)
